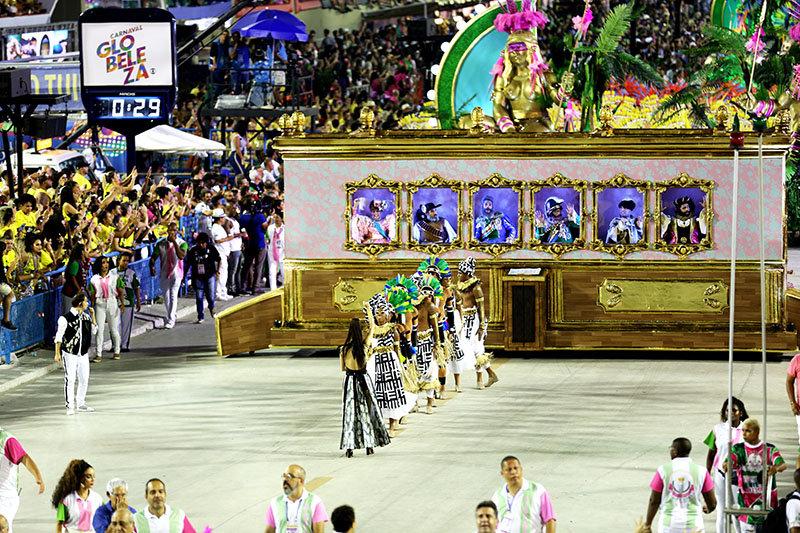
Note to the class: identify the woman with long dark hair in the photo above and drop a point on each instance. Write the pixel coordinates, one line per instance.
(74, 498)
(362, 423)
(718, 451)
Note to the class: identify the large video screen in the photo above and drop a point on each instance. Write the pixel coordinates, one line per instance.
(42, 44)
(119, 54)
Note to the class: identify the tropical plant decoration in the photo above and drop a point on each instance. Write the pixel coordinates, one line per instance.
(604, 61)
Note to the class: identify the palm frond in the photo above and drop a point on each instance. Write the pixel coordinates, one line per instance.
(614, 28)
(677, 102)
(720, 40)
(698, 115)
(621, 64)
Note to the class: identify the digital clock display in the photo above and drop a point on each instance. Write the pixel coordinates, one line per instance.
(128, 107)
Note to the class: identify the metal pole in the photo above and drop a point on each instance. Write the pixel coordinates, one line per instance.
(18, 135)
(764, 477)
(734, 222)
(130, 152)
(9, 167)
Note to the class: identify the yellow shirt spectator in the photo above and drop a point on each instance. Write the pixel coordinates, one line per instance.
(82, 181)
(21, 219)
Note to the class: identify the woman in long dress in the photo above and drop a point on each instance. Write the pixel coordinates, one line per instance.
(362, 423)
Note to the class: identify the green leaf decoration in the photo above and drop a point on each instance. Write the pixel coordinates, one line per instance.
(615, 27)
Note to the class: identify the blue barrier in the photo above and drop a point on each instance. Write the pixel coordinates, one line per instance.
(37, 316)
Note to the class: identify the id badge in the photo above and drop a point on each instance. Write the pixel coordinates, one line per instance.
(505, 526)
(201, 269)
(291, 529)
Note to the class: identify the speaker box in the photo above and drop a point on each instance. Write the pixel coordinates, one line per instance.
(15, 83)
(421, 28)
(46, 127)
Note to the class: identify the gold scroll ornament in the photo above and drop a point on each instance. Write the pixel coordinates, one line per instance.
(651, 296)
(349, 294)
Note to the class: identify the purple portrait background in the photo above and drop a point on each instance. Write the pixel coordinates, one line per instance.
(568, 194)
(437, 195)
(374, 194)
(670, 195)
(506, 200)
(608, 207)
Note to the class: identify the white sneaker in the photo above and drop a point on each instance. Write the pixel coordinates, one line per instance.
(70, 411)
(85, 409)
(169, 326)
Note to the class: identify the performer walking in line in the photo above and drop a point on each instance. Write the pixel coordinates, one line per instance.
(74, 335)
(362, 424)
(130, 282)
(473, 332)
(428, 342)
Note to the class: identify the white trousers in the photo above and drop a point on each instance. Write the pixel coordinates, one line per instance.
(720, 492)
(8, 508)
(126, 326)
(274, 266)
(169, 290)
(107, 311)
(222, 291)
(75, 365)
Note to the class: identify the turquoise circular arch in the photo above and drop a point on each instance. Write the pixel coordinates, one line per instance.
(464, 79)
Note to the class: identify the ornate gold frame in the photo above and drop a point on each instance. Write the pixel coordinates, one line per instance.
(621, 181)
(496, 181)
(685, 181)
(558, 180)
(372, 182)
(435, 181)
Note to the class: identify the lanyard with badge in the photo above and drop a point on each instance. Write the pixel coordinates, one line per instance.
(292, 523)
(508, 519)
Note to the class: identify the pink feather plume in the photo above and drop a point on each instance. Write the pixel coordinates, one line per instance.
(498, 67)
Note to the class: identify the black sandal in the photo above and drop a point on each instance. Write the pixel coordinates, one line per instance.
(348, 454)
(370, 451)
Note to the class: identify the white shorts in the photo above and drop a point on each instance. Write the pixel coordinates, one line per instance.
(8, 508)
(5, 289)
(797, 418)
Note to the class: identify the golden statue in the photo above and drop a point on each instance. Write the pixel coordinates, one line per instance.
(521, 77)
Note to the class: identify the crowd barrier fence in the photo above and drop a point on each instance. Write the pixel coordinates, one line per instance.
(37, 316)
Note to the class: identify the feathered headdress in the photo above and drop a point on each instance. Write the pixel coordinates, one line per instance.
(399, 299)
(404, 282)
(428, 285)
(525, 19)
(436, 266)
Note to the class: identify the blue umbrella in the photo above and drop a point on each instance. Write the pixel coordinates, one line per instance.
(269, 14)
(276, 28)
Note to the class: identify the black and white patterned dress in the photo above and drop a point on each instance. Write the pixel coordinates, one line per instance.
(456, 363)
(362, 423)
(389, 392)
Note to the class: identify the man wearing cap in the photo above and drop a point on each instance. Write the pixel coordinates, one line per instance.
(473, 332)
(553, 226)
(492, 226)
(625, 228)
(684, 227)
(171, 251)
(429, 227)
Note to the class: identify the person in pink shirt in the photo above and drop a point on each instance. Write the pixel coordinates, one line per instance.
(13, 456)
(74, 498)
(297, 511)
(793, 390)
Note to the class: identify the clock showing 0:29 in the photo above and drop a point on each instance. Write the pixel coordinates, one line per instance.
(111, 107)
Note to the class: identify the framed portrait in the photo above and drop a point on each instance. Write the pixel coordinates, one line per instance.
(558, 214)
(496, 215)
(684, 216)
(620, 215)
(435, 214)
(372, 216)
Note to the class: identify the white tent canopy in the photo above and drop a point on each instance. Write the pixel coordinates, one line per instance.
(169, 140)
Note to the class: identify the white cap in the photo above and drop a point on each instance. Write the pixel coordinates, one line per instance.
(217, 213)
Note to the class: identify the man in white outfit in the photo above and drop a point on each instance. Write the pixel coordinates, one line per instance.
(171, 251)
(221, 239)
(275, 252)
(11, 456)
(74, 335)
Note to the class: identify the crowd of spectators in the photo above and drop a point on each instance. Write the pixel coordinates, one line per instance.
(18, 8)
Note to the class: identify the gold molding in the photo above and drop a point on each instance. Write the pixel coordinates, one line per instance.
(459, 144)
(349, 294)
(683, 181)
(557, 180)
(372, 182)
(496, 181)
(435, 181)
(662, 296)
(620, 181)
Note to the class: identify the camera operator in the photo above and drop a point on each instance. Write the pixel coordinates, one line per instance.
(254, 222)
